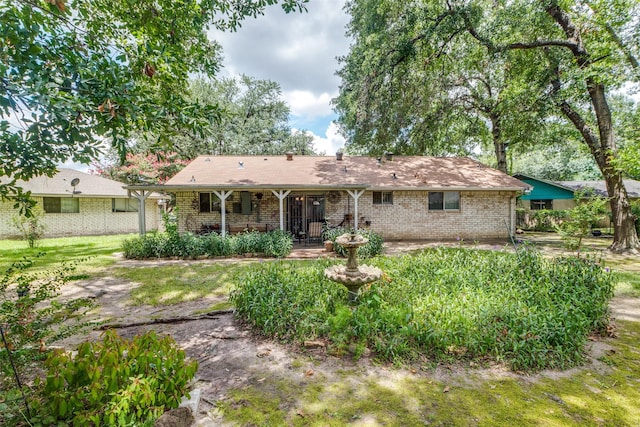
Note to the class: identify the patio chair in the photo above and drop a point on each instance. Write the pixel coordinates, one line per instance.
(314, 232)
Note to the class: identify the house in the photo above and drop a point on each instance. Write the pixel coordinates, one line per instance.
(560, 195)
(76, 203)
(545, 194)
(399, 197)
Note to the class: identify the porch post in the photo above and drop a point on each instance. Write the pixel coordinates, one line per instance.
(222, 195)
(356, 195)
(141, 196)
(281, 194)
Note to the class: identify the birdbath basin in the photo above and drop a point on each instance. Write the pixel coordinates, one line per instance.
(352, 276)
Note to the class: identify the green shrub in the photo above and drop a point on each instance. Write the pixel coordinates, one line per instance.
(29, 224)
(31, 314)
(523, 309)
(589, 210)
(372, 248)
(115, 382)
(160, 245)
(32, 317)
(635, 210)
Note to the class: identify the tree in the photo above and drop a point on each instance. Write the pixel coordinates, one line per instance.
(254, 119)
(407, 89)
(568, 56)
(77, 76)
(142, 168)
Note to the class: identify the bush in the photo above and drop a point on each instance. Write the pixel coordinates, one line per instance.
(540, 220)
(528, 311)
(160, 245)
(115, 382)
(31, 314)
(635, 209)
(30, 225)
(372, 248)
(32, 317)
(589, 210)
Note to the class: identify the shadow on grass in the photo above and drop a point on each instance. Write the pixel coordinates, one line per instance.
(173, 284)
(600, 394)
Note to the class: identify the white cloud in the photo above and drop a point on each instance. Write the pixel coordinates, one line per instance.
(299, 52)
(330, 143)
(307, 104)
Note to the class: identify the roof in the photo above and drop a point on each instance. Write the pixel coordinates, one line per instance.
(633, 187)
(544, 189)
(88, 185)
(410, 172)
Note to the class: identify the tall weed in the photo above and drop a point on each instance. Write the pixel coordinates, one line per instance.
(523, 309)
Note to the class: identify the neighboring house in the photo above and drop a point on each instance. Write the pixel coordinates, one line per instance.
(76, 203)
(559, 195)
(398, 197)
(545, 194)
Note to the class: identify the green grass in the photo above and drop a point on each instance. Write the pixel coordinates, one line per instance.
(96, 250)
(628, 283)
(606, 396)
(172, 284)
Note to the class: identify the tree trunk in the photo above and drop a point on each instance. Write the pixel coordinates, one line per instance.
(625, 237)
(603, 149)
(602, 146)
(498, 143)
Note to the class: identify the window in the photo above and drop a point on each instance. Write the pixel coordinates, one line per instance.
(382, 198)
(205, 202)
(124, 205)
(60, 205)
(538, 205)
(444, 201)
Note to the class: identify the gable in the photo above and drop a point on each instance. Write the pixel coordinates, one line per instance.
(544, 190)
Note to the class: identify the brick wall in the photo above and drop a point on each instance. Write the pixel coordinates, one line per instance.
(95, 218)
(482, 214)
(191, 219)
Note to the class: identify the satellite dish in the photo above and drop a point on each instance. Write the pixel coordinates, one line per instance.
(74, 183)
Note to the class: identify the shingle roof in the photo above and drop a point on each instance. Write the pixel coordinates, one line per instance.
(60, 185)
(633, 187)
(411, 172)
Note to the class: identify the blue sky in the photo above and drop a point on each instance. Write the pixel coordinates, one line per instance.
(299, 52)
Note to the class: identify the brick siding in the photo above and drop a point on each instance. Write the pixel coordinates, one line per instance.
(482, 214)
(95, 218)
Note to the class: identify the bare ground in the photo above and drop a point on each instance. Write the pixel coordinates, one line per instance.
(230, 356)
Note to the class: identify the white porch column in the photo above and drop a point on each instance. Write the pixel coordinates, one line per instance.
(281, 194)
(356, 195)
(222, 195)
(141, 196)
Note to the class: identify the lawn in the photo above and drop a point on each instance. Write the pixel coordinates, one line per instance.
(421, 392)
(94, 252)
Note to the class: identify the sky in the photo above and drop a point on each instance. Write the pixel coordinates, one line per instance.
(297, 51)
